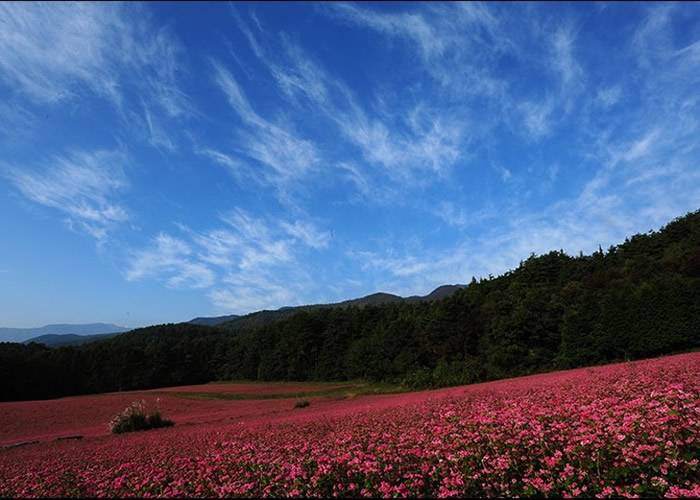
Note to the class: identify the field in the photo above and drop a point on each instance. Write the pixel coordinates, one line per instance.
(629, 429)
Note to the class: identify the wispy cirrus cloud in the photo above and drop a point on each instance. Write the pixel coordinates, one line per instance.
(454, 215)
(453, 40)
(307, 233)
(276, 146)
(171, 257)
(81, 185)
(541, 115)
(461, 46)
(56, 53)
(45, 54)
(236, 166)
(419, 139)
(246, 263)
(406, 146)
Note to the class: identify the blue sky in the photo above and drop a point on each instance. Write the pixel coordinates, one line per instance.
(164, 161)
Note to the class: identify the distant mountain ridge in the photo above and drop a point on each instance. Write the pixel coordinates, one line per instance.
(264, 317)
(24, 334)
(70, 339)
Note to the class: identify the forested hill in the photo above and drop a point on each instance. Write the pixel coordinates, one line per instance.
(638, 299)
(262, 318)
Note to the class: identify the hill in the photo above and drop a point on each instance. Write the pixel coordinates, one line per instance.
(213, 320)
(638, 299)
(262, 318)
(69, 339)
(23, 334)
(440, 292)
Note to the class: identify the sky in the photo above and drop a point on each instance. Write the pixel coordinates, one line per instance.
(163, 161)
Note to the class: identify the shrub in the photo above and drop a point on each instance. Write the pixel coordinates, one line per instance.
(459, 372)
(136, 418)
(301, 404)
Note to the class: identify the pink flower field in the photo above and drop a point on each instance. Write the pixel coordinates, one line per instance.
(629, 429)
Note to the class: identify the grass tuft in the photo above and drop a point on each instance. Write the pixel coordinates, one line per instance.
(136, 418)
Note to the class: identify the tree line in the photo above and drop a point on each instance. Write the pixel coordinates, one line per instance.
(637, 299)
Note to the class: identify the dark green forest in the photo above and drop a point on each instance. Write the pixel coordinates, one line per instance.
(634, 300)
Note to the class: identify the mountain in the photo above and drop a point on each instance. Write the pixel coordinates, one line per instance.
(440, 292)
(52, 340)
(23, 334)
(213, 320)
(370, 300)
(261, 318)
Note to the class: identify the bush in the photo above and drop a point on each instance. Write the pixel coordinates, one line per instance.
(136, 418)
(301, 404)
(458, 372)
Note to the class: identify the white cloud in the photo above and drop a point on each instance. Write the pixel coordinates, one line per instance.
(56, 52)
(246, 264)
(564, 61)
(82, 185)
(640, 147)
(453, 40)
(537, 118)
(275, 146)
(651, 38)
(540, 116)
(460, 217)
(420, 140)
(411, 26)
(402, 267)
(451, 214)
(506, 174)
(48, 50)
(254, 296)
(228, 84)
(158, 136)
(354, 174)
(307, 233)
(171, 257)
(461, 46)
(233, 164)
(434, 146)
